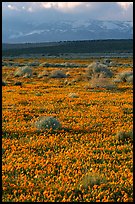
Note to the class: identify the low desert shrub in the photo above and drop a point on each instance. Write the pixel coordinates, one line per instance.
(65, 64)
(129, 79)
(125, 76)
(43, 74)
(66, 82)
(3, 150)
(57, 74)
(42, 64)
(130, 134)
(77, 79)
(107, 62)
(123, 136)
(96, 68)
(4, 83)
(33, 64)
(73, 95)
(23, 71)
(90, 179)
(18, 83)
(47, 122)
(102, 83)
(117, 80)
(68, 74)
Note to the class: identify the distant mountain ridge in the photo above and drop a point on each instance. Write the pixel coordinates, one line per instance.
(67, 30)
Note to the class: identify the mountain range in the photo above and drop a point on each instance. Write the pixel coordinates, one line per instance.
(65, 30)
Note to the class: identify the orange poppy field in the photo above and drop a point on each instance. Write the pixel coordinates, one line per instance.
(86, 159)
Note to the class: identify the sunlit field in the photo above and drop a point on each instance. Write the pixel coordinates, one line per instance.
(90, 158)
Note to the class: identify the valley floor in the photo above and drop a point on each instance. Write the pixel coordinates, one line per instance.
(89, 159)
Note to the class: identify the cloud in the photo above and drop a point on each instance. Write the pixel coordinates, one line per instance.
(95, 10)
(19, 6)
(125, 5)
(34, 6)
(12, 7)
(70, 6)
(63, 6)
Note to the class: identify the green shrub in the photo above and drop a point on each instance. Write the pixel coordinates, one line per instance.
(47, 122)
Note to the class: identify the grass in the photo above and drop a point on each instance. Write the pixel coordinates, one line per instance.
(82, 161)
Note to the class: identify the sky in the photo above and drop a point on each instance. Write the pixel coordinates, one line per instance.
(53, 10)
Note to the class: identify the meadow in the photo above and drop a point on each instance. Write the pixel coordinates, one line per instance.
(89, 158)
